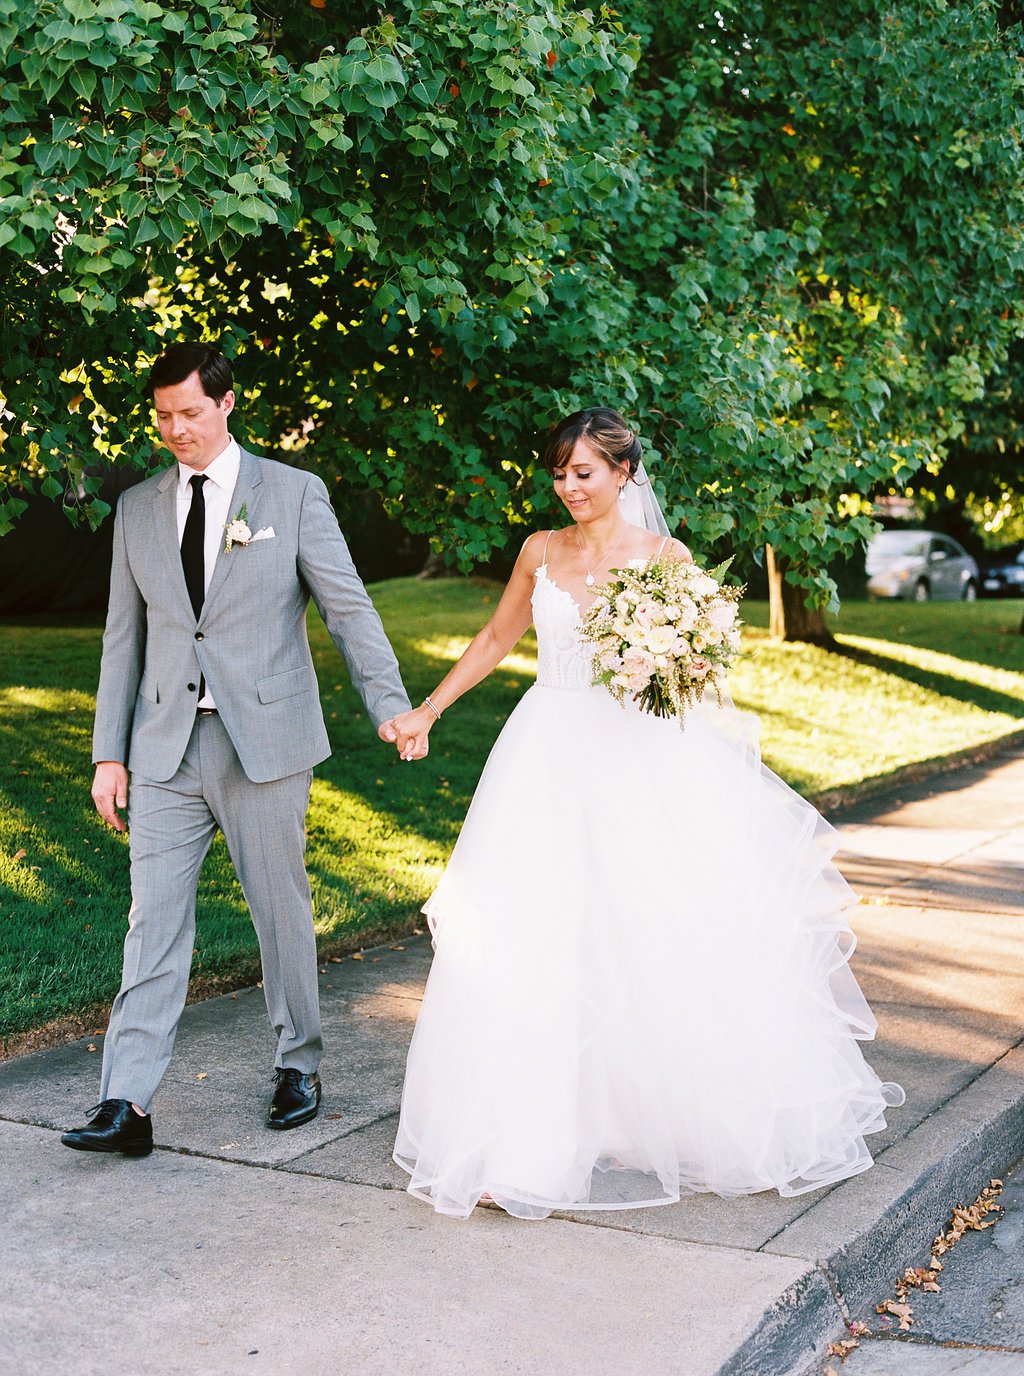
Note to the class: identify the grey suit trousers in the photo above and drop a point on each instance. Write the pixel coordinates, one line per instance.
(171, 827)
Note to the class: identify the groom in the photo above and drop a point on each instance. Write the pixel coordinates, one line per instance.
(208, 696)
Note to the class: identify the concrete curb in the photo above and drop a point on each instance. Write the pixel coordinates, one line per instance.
(885, 1220)
(834, 800)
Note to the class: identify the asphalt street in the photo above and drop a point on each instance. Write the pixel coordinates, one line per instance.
(975, 1324)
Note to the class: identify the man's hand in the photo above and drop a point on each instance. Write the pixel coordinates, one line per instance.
(402, 732)
(110, 792)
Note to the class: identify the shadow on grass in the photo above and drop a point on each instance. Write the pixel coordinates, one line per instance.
(944, 685)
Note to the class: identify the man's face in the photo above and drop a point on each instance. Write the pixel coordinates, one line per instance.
(192, 425)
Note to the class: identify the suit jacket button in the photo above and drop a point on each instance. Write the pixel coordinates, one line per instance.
(191, 687)
(199, 635)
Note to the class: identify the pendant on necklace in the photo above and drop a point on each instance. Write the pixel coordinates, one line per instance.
(590, 580)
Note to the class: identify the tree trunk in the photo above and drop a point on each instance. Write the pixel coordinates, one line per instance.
(433, 567)
(790, 618)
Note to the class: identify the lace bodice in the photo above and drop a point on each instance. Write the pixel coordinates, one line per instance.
(564, 659)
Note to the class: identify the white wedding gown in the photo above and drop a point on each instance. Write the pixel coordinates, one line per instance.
(640, 984)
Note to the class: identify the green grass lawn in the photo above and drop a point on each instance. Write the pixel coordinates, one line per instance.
(912, 682)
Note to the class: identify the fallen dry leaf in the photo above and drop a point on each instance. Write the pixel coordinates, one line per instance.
(332, 1116)
(358, 956)
(202, 1075)
(91, 1046)
(843, 1348)
(898, 1310)
(334, 960)
(19, 855)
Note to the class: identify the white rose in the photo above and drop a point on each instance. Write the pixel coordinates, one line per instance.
(637, 661)
(722, 615)
(703, 586)
(650, 613)
(238, 533)
(686, 617)
(660, 639)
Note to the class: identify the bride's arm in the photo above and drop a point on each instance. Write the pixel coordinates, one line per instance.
(485, 651)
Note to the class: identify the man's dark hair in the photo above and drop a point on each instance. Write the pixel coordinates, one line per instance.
(180, 361)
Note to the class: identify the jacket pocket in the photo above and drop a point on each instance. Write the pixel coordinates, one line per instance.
(287, 685)
(148, 688)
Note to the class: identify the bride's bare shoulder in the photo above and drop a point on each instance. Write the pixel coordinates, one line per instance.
(674, 549)
(536, 548)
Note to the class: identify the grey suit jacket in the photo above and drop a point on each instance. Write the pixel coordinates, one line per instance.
(250, 641)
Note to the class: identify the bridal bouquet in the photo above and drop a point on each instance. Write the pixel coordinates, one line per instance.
(663, 633)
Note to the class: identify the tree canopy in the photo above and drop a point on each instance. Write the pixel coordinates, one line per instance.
(791, 255)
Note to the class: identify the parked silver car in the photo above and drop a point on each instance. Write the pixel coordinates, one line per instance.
(920, 565)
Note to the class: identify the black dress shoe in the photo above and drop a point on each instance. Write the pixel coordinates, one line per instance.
(116, 1127)
(296, 1099)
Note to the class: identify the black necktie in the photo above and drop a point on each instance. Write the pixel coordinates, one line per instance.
(193, 542)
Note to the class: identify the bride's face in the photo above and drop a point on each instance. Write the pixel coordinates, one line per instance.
(588, 485)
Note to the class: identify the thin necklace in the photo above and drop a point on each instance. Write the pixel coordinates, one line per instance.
(590, 580)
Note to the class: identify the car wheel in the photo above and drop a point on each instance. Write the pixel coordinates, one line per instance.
(971, 591)
(922, 592)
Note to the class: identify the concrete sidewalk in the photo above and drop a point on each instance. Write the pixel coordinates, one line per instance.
(235, 1249)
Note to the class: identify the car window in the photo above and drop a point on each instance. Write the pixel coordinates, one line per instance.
(899, 542)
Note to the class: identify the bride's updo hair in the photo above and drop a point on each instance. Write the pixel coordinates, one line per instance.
(604, 431)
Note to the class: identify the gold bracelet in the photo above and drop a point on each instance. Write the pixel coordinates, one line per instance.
(428, 703)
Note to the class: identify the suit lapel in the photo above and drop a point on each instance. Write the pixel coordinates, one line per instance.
(165, 510)
(247, 493)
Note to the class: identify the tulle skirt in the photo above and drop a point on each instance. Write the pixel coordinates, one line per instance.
(641, 980)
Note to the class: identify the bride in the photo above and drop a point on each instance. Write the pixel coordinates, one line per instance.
(640, 984)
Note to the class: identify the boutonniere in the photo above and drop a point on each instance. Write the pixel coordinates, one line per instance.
(237, 532)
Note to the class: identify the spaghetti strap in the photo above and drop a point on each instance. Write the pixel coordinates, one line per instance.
(544, 551)
(661, 547)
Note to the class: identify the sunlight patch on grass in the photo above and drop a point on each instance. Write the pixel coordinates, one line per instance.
(966, 670)
(366, 868)
(60, 700)
(451, 648)
(830, 719)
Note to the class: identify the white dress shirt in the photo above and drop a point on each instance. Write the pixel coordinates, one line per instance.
(222, 474)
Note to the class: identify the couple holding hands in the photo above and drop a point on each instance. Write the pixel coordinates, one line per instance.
(640, 984)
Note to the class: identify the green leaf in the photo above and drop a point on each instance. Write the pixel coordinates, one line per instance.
(83, 79)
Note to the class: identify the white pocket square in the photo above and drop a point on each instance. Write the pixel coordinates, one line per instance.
(267, 533)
